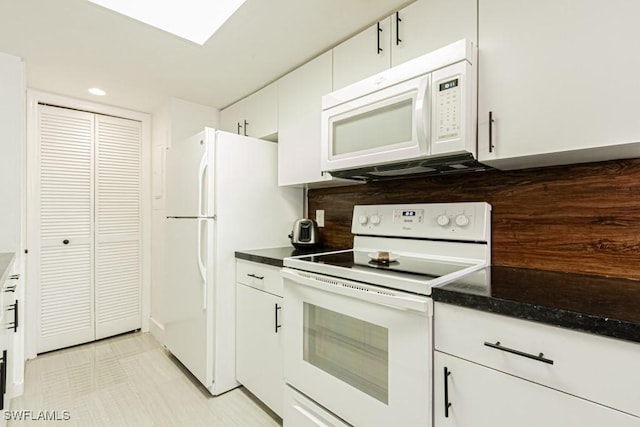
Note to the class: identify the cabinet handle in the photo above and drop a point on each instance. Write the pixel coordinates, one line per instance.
(3, 378)
(14, 325)
(14, 277)
(378, 33)
(239, 127)
(255, 277)
(491, 146)
(276, 310)
(398, 21)
(65, 242)
(245, 127)
(447, 404)
(540, 357)
(11, 288)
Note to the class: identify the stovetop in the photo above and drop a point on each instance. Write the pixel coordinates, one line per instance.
(421, 268)
(407, 273)
(429, 244)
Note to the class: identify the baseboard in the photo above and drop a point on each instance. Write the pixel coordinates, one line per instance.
(157, 330)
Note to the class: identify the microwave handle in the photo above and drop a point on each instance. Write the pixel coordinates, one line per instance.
(422, 111)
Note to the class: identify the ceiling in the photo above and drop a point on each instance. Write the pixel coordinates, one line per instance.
(72, 45)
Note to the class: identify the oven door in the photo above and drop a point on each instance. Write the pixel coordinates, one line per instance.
(363, 352)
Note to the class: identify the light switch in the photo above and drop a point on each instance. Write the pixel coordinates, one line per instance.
(320, 217)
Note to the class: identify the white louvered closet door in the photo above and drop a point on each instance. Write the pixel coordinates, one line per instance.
(118, 221)
(89, 224)
(65, 253)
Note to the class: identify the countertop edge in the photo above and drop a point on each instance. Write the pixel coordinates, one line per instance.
(260, 259)
(581, 322)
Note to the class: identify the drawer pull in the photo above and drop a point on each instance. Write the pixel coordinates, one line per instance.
(255, 277)
(540, 357)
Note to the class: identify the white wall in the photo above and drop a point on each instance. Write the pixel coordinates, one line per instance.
(12, 137)
(173, 121)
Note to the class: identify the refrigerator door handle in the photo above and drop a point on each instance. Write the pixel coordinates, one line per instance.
(201, 177)
(202, 171)
(201, 268)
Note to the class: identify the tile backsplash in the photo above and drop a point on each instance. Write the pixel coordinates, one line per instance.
(580, 218)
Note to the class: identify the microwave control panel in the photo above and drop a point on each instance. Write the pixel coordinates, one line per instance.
(448, 105)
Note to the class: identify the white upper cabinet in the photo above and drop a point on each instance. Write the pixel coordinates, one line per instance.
(232, 118)
(300, 98)
(12, 124)
(427, 25)
(363, 55)
(558, 79)
(419, 28)
(255, 115)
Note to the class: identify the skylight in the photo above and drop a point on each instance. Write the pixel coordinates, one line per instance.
(194, 20)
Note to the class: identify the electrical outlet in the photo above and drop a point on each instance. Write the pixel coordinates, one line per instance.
(320, 217)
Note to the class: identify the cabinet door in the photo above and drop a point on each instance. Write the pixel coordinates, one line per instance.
(12, 108)
(558, 79)
(427, 25)
(232, 118)
(259, 357)
(300, 105)
(261, 113)
(359, 56)
(479, 396)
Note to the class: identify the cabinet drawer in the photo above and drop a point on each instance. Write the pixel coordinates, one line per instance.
(462, 400)
(259, 276)
(600, 369)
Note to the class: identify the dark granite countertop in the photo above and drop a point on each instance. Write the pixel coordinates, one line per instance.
(273, 256)
(608, 306)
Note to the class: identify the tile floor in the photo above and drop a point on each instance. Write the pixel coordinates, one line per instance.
(128, 380)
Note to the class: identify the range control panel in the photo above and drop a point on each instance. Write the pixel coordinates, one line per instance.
(455, 221)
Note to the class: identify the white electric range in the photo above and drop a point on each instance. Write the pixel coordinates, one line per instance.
(358, 347)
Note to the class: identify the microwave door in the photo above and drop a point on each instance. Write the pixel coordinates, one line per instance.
(383, 127)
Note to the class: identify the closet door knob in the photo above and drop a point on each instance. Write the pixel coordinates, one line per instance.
(65, 242)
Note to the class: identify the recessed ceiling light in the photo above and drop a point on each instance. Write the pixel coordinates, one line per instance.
(97, 91)
(194, 20)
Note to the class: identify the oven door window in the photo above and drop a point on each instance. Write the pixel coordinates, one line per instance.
(347, 348)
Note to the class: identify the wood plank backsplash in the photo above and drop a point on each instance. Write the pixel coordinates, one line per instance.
(579, 218)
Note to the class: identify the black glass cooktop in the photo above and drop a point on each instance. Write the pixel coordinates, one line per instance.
(425, 268)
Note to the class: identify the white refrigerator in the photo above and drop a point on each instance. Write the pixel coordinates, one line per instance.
(222, 195)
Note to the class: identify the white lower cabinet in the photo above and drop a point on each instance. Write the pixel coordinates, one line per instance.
(259, 341)
(478, 396)
(504, 371)
(11, 338)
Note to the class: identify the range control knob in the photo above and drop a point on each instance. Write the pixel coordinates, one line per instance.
(442, 220)
(363, 219)
(462, 220)
(375, 219)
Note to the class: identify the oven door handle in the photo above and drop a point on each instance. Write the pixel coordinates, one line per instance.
(374, 294)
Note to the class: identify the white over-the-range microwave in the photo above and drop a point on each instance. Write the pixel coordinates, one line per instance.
(416, 118)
